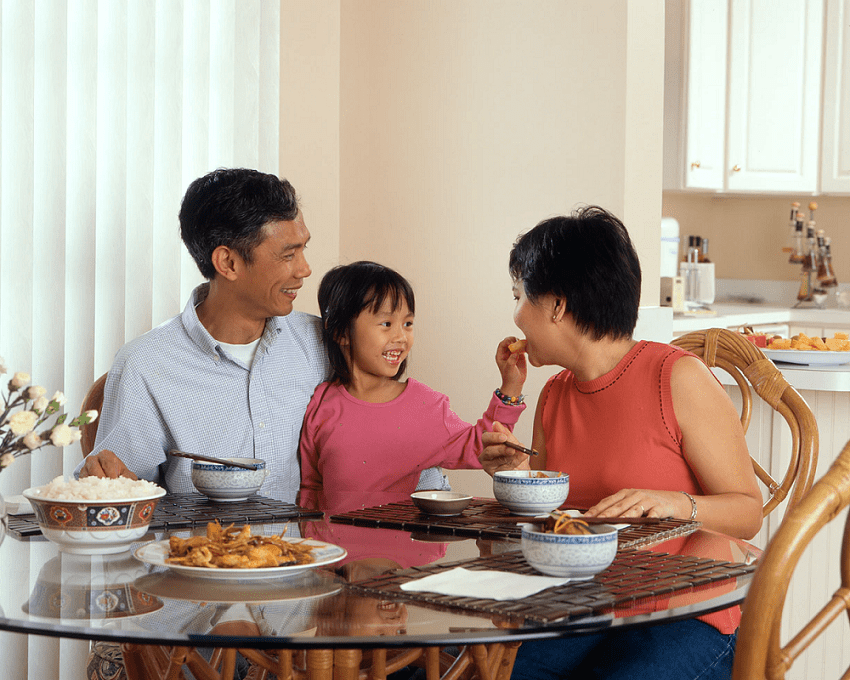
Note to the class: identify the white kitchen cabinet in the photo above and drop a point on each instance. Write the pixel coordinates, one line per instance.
(749, 124)
(695, 94)
(835, 161)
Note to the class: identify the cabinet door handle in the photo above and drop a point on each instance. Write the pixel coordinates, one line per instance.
(736, 168)
(695, 164)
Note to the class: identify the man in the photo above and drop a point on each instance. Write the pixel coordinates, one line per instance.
(233, 374)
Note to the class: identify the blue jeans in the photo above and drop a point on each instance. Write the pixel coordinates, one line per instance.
(684, 650)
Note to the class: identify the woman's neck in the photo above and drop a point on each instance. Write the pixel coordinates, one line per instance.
(374, 389)
(592, 359)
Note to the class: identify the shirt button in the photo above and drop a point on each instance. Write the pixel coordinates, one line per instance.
(262, 425)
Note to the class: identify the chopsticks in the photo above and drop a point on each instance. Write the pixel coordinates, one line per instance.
(522, 449)
(539, 520)
(208, 459)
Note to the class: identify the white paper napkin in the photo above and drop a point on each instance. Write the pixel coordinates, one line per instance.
(486, 584)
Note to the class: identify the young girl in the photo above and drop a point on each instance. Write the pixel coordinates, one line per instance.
(367, 434)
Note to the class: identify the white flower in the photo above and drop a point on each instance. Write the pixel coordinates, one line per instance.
(19, 380)
(22, 422)
(59, 398)
(3, 368)
(92, 415)
(35, 392)
(40, 404)
(63, 435)
(6, 460)
(32, 441)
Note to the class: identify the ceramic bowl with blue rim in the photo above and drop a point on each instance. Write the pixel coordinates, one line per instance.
(576, 556)
(94, 527)
(226, 483)
(531, 492)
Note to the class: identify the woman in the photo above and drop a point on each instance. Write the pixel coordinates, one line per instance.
(642, 428)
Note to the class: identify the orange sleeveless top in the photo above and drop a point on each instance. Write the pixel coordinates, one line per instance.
(619, 431)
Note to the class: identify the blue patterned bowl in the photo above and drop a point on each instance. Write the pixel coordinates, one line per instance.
(227, 482)
(93, 527)
(531, 492)
(577, 556)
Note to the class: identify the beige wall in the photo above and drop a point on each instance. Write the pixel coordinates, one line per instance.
(460, 124)
(747, 234)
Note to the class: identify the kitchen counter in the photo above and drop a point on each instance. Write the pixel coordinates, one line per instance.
(730, 315)
(835, 378)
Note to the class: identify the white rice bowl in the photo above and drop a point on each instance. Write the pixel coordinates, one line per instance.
(93, 515)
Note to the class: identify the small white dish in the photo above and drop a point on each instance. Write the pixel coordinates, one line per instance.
(156, 552)
(441, 503)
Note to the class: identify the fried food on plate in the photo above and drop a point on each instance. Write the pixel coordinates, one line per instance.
(838, 343)
(233, 548)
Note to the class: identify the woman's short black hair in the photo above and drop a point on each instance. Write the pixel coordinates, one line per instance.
(587, 260)
(347, 290)
(230, 207)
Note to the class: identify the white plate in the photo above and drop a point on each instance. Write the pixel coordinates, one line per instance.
(156, 552)
(810, 357)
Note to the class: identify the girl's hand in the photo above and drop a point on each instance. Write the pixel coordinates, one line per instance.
(643, 503)
(513, 368)
(496, 456)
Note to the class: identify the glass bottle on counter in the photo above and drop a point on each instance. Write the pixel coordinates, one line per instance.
(826, 274)
(797, 255)
(692, 254)
(703, 252)
(810, 256)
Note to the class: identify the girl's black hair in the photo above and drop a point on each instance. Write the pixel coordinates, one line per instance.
(587, 260)
(347, 290)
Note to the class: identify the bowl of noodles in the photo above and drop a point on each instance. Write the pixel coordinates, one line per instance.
(94, 516)
(531, 492)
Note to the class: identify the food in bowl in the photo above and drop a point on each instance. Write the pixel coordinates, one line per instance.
(232, 548)
(576, 556)
(224, 483)
(563, 523)
(531, 492)
(441, 503)
(93, 515)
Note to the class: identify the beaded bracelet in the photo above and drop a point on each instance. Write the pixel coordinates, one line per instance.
(509, 401)
(693, 504)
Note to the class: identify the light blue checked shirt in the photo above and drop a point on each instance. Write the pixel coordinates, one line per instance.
(175, 387)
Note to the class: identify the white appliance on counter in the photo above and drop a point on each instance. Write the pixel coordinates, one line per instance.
(672, 284)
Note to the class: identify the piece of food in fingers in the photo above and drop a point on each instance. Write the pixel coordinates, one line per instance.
(518, 346)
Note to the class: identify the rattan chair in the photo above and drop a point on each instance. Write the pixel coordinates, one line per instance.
(93, 400)
(759, 653)
(749, 367)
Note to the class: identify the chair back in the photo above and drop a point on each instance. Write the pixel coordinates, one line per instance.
(752, 370)
(92, 400)
(759, 653)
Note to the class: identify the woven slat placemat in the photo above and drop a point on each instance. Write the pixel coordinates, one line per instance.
(476, 522)
(634, 576)
(187, 511)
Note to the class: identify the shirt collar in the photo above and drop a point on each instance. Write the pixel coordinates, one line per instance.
(200, 335)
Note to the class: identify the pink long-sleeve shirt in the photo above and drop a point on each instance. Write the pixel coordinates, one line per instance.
(356, 454)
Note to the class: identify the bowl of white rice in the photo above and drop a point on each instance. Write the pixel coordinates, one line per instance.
(92, 515)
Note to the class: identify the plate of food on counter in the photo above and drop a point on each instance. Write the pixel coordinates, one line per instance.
(810, 351)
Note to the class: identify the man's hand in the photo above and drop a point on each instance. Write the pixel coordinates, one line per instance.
(496, 456)
(106, 464)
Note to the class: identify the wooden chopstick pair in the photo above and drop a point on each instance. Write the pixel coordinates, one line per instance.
(590, 520)
(209, 459)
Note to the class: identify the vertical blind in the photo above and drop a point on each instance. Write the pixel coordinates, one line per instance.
(108, 109)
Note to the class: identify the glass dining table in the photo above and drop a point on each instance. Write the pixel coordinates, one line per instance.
(350, 609)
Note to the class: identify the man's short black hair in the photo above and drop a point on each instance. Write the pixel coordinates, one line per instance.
(229, 207)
